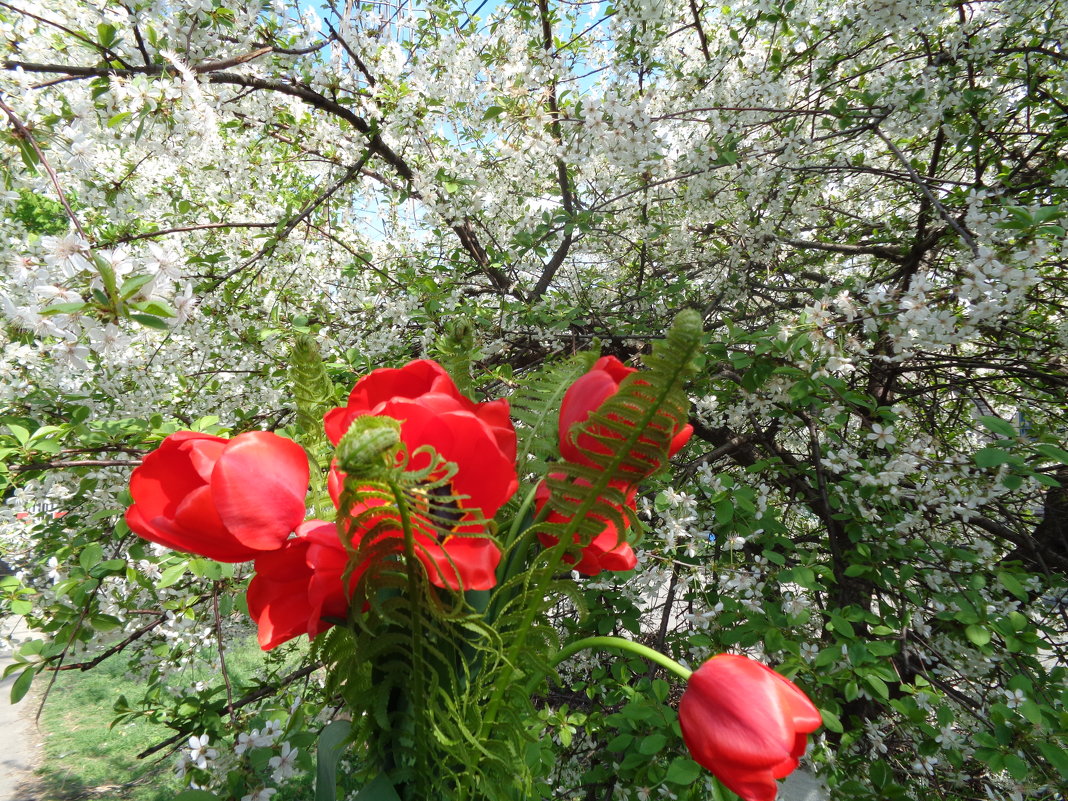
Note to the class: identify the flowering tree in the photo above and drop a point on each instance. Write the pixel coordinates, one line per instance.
(863, 201)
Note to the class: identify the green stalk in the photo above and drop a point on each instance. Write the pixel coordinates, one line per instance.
(621, 644)
(412, 565)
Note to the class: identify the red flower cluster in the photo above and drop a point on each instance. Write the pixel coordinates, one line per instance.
(242, 499)
(746, 723)
(608, 550)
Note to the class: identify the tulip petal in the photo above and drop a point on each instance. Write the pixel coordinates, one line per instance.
(460, 563)
(337, 421)
(277, 594)
(751, 786)
(582, 397)
(259, 485)
(213, 544)
(202, 451)
(165, 476)
(411, 381)
(484, 473)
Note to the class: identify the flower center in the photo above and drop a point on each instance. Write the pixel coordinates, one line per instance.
(447, 510)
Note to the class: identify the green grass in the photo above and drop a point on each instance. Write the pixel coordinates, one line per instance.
(85, 759)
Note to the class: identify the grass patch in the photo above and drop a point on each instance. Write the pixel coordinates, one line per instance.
(84, 759)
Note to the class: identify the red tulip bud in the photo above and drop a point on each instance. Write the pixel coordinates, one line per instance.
(745, 723)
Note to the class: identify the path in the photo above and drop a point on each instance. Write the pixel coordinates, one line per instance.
(17, 734)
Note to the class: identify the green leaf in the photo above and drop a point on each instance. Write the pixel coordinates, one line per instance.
(683, 770)
(171, 575)
(149, 321)
(133, 283)
(653, 744)
(1057, 757)
(878, 685)
(22, 685)
(21, 606)
(380, 789)
(1013, 585)
(90, 555)
(661, 689)
(1032, 711)
(1052, 452)
(979, 635)
(332, 740)
(1016, 767)
(63, 308)
(1000, 427)
(105, 33)
(1012, 481)
(196, 795)
(157, 308)
(880, 774)
(990, 457)
(19, 433)
(831, 721)
(206, 568)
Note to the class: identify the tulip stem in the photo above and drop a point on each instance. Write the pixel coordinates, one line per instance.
(621, 644)
(517, 545)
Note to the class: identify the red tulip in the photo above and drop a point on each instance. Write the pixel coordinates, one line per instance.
(426, 383)
(295, 587)
(587, 395)
(228, 500)
(607, 550)
(477, 437)
(745, 723)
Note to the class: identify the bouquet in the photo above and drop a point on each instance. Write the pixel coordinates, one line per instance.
(438, 535)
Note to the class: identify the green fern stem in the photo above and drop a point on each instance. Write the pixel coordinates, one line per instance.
(418, 704)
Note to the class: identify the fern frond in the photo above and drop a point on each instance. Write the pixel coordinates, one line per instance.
(455, 351)
(536, 409)
(633, 430)
(314, 394)
(313, 390)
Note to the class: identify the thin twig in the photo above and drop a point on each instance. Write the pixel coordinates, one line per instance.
(244, 701)
(24, 133)
(916, 179)
(60, 464)
(92, 663)
(222, 657)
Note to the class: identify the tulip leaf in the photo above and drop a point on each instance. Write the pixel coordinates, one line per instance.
(379, 789)
(331, 742)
